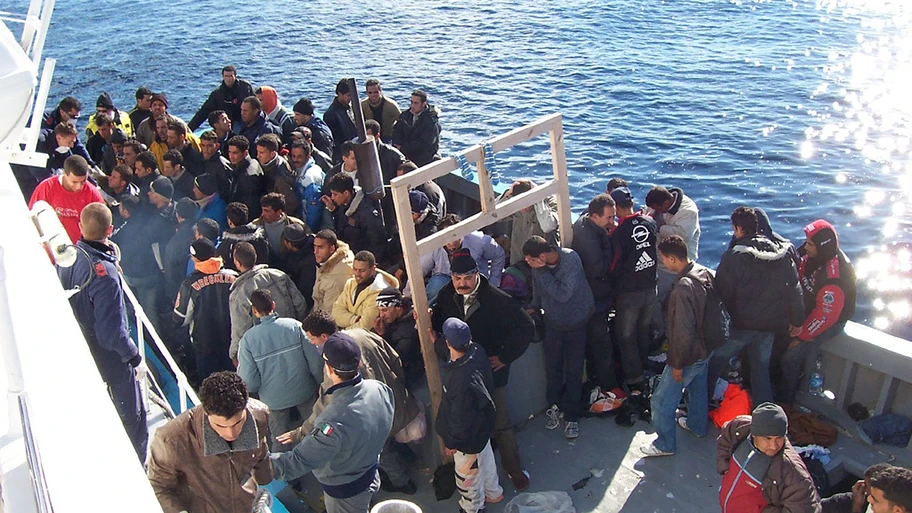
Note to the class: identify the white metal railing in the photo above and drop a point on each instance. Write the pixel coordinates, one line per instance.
(142, 321)
(39, 483)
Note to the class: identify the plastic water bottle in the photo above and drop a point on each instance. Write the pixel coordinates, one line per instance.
(734, 372)
(815, 382)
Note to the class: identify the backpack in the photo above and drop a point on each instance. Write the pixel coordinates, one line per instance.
(715, 327)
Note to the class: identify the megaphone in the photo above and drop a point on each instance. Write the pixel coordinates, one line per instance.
(53, 235)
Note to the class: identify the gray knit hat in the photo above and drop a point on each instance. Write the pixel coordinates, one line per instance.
(769, 419)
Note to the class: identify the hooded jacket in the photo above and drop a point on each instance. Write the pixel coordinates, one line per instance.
(277, 113)
(245, 233)
(361, 311)
(827, 282)
(418, 139)
(288, 300)
(191, 468)
(465, 419)
(682, 219)
(758, 284)
(332, 276)
(787, 487)
(202, 303)
(223, 98)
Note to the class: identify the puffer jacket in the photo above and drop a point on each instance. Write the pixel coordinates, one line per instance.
(381, 362)
(787, 487)
(758, 284)
(191, 468)
(418, 139)
(261, 126)
(361, 312)
(253, 235)
(686, 306)
(288, 300)
(682, 219)
(332, 276)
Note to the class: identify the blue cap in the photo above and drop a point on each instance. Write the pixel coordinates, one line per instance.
(621, 195)
(341, 352)
(457, 333)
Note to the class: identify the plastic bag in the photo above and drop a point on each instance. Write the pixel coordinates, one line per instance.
(541, 502)
(414, 430)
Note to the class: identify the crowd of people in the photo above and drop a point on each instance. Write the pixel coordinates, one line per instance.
(268, 272)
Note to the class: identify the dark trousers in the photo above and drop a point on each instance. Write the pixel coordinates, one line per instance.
(210, 363)
(599, 351)
(504, 434)
(634, 312)
(564, 355)
(127, 398)
(799, 362)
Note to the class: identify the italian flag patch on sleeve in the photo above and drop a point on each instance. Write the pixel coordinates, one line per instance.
(326, 429)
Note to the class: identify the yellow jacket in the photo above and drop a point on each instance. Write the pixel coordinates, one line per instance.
(121, 121)
(361, 313)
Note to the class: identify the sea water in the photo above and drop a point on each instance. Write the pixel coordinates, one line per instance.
(799, 107)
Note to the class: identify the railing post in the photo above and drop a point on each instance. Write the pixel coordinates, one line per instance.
(559, 163)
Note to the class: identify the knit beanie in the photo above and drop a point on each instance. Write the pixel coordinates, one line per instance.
(769, 419)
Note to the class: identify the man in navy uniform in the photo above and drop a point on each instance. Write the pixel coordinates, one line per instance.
(343, 449)
(99, 309)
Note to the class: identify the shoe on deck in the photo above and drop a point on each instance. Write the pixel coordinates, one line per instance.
(682, 421)
(650, 451)
(553, 417)
(571, 430)
(520, 482)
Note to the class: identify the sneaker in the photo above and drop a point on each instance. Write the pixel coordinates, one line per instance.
(682, 421)
(553, 417)
(650, 450)
(571, 430)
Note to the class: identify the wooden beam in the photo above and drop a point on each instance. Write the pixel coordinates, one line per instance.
(419, 299)
(482, 219)
(559, 165)
(475, 153)
(485, 187)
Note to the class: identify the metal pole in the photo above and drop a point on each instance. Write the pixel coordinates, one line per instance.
(38, 47)
(15, 382)
(31, 135)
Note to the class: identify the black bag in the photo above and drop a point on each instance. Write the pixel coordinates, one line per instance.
(444, 481)
(715, 327)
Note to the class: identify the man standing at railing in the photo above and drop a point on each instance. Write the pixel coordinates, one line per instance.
(99, 309)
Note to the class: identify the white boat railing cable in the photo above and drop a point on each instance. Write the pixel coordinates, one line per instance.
(39, 483)
(142, 321)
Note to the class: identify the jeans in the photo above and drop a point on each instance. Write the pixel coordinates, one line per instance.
(565, 352)
(634, 311)
(127, 397)
(759, 346)
(802, 357)
(599, 351)
(667, 395)
(210, 363)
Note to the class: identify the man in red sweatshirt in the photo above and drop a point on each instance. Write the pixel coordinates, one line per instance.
(68, 193)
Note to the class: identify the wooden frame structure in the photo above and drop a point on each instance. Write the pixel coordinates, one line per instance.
(490, 213)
